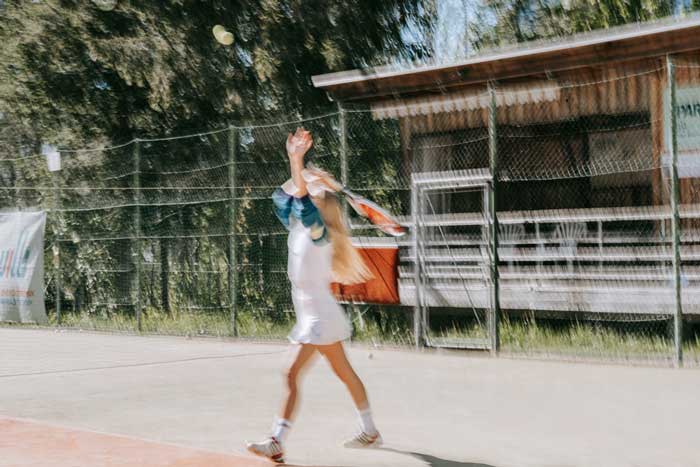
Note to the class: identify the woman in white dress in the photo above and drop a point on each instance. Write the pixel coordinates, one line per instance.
(320, 252)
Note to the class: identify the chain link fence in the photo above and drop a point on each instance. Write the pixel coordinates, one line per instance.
(583, 245)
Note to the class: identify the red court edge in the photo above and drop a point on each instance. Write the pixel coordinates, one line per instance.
(26, 443)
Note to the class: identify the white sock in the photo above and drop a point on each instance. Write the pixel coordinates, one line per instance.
(281, 428)
(366, 421)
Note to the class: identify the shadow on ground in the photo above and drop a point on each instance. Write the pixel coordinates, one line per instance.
(429, 460)
(433, 461)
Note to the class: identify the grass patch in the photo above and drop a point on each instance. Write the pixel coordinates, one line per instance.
(539, 337)
(580, 339)
(179, 324)
(374, 333)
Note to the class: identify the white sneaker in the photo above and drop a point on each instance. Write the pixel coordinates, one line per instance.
(363, 440)
(270, 448)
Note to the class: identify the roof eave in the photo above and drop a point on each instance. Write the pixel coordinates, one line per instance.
(613, 47)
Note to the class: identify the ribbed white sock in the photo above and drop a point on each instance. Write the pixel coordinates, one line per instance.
(281, 428)
(366, 421)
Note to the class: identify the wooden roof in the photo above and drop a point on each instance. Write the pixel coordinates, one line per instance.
(613, 45)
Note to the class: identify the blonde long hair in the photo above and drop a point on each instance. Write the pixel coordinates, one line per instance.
(347, 264)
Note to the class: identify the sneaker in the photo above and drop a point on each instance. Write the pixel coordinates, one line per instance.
(270, 448)
(363, 440)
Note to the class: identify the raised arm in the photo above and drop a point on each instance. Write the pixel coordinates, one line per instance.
(298, 144)
(292, 198)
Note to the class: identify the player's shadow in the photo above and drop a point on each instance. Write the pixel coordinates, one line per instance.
(433, 461)
(429, 460)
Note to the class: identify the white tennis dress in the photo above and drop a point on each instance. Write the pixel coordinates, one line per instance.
(319, 318)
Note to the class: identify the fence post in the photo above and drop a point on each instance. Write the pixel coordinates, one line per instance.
(343, 127)
(136, 180)
(343, 136)
(493, 164)
(57, 242)
(675, 223)
(417, 279)
(232, 261)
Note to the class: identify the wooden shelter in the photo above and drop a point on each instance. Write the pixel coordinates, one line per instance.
(591, 78)
(583, 146)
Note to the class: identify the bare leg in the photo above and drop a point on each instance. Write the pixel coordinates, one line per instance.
(369, 436)
(302, 356)
(335, 354)
(272, 446)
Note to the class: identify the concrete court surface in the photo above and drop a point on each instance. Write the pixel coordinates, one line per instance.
(105, 399)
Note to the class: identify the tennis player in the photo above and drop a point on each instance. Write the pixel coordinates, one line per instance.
(320, 252)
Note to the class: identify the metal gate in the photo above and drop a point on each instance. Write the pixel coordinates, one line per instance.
(451, 259)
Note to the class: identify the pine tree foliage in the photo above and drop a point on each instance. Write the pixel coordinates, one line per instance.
(149, 68)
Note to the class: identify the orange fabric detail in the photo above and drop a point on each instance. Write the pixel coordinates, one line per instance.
(383, 288)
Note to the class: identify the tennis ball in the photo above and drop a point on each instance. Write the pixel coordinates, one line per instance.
(105, 5)
(227, 38)
(221, 35)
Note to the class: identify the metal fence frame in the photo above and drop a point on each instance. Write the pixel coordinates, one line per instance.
(491, 219)
(421, 186)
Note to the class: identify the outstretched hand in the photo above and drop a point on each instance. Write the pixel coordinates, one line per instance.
(298, 144)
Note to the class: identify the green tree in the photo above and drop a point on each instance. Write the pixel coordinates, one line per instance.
(508, 21)
(151, 68)
(82, 76)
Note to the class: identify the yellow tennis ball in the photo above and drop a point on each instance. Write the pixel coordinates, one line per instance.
(221, 35)
(226, 38)
(105, 5)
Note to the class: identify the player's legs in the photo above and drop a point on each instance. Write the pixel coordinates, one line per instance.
(272, 447)
(302, 356)
(368, 436)
(335, 354)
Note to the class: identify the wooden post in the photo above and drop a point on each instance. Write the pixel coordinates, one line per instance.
(656, 115)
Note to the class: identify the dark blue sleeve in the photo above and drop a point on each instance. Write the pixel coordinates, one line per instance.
(303, 209)
(283, 205)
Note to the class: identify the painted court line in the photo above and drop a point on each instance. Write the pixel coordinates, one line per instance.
(27, 443)
(136, 365)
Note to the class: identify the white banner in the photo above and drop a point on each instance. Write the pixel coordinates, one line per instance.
(22, 267)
